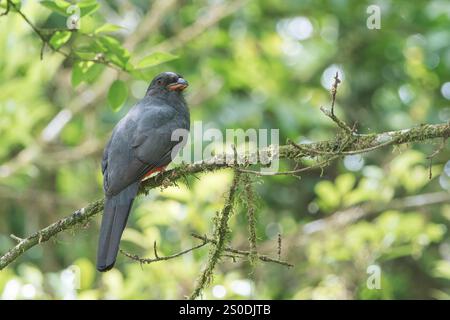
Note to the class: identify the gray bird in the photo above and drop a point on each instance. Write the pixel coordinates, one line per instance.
(141, 143)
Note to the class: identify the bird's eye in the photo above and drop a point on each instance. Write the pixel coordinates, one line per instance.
(159, 81)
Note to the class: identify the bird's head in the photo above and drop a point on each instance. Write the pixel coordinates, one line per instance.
(168, 82)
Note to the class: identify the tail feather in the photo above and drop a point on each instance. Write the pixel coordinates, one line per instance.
(115, 216)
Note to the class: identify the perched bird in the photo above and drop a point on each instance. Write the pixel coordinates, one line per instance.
(141, 144)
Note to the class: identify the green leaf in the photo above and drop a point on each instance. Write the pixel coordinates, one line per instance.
(117, 95)
(85, 54)
(86, 71)
(114, 51)
(108, 27)
(155, 59)
(17, 3)
(77, 74)
(86, 7)
(58, 6)
(88, 51)
(59, 38)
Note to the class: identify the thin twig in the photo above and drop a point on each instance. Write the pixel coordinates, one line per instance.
(156, 251)
(16, 238)
(334, 91)
(158, 258)
(279, 246)
(46, 41)
(331, 113)
(338, 121)
(261, 257)
(434, 154)
(6, 10)
(291, 172)
(24, 17)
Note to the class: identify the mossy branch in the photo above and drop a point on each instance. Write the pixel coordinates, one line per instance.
(360, 143)
(251, 218)
(157, 258)
(220, 233)
(245, 253)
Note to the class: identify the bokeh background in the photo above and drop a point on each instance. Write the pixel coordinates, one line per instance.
(251, 64)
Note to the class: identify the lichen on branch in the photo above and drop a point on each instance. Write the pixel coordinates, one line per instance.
(360, 144)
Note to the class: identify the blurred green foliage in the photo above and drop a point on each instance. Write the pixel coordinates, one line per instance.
(267, 64)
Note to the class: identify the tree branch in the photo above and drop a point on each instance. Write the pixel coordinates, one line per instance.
(158, 258)
(251, 218)
(220, 233)
(261, 257)
(359, 144)
(206, 240)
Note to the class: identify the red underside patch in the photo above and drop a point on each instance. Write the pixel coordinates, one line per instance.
(159, 169)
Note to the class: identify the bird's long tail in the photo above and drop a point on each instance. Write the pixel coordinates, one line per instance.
(115, 216)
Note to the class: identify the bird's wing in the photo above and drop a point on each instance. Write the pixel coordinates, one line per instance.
(140, 142)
